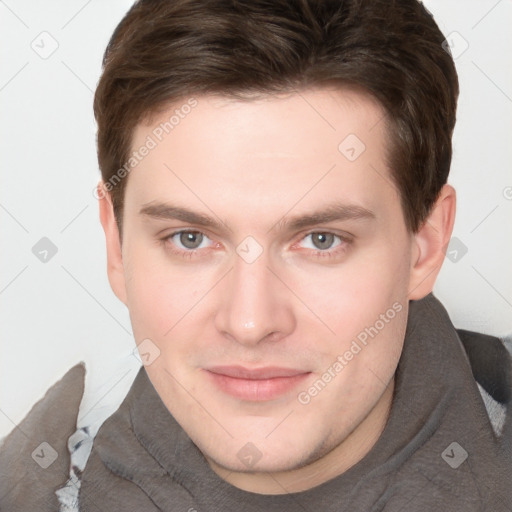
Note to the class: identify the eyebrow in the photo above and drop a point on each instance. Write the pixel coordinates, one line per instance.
(329, 213)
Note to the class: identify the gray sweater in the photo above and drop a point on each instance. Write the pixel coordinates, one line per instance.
(447, 445)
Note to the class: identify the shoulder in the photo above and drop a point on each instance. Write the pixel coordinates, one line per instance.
(491, 362)
(490, 359)
(34, 457)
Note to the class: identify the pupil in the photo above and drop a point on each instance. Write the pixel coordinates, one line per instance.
(191, 240)
(323, 240)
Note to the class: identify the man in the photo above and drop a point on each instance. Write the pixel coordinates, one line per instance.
(276, 209)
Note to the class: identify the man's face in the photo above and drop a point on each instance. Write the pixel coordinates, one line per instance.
(251, 312)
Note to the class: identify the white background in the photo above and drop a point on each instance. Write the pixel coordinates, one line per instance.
(58, 313)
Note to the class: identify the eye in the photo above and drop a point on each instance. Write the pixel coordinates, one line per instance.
(187, 241)
(323, 241)
(325, 245)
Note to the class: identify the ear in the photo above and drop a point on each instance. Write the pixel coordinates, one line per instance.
(115, 268)
(429, 244)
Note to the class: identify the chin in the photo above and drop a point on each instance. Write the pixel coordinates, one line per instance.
(268, 463)
(284, 453)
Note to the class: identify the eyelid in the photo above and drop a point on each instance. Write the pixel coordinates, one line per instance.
(344, 236)
(347, 237)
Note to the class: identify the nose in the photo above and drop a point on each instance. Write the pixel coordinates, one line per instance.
(254, 306)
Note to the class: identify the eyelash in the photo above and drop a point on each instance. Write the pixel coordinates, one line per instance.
(328, 253)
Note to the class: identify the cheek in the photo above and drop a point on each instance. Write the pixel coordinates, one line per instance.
(158, 295)
(353, 295)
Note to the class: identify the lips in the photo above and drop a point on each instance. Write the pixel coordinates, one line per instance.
(257, 384)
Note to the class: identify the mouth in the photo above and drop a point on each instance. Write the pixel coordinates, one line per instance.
(257, 384)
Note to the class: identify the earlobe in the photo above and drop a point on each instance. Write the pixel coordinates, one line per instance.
(115, 267)
(430, 244)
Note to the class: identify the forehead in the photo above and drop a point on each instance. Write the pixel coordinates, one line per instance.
(306, 147)
(324, 114)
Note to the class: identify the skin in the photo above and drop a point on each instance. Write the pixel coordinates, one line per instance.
(249, 164)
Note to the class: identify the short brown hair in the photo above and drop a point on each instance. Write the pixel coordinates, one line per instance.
(165, 50)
